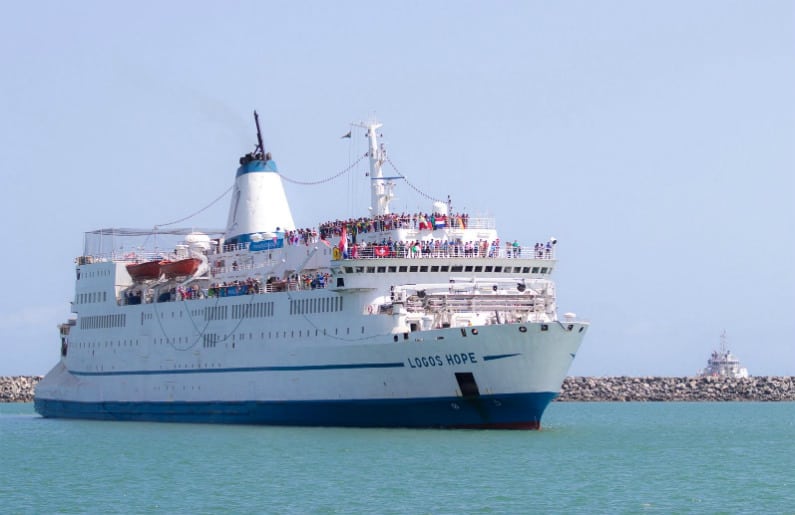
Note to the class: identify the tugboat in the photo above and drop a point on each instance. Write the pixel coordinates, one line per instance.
(722, 363)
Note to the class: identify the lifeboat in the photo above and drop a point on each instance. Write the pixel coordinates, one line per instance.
(180, 268)
(145, 271)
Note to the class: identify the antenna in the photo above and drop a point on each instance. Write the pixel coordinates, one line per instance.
(260, 146)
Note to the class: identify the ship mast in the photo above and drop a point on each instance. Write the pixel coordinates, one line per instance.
(261, 147)
(381, 187)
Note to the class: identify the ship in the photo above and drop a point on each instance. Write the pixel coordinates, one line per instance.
(722, 363)
(420, 320)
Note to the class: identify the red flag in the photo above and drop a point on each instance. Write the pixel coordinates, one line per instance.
(343, 245)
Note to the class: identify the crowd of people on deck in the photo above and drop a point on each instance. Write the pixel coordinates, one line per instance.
(300, 237)
(388, 222)
(249, 286)
(445, 248)
(354, 226)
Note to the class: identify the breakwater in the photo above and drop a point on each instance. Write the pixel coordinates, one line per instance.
(18, 388)
(588, 389)
(646, 389)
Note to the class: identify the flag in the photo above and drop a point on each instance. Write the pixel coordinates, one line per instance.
(343, 244)
(348, 135)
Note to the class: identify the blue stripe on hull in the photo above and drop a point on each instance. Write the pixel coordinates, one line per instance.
(510, 411)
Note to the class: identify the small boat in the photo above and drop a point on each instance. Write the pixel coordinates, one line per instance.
(723, 363)
(181, 268)
(145, 271)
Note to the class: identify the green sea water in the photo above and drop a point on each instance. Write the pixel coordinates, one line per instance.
(588, 458)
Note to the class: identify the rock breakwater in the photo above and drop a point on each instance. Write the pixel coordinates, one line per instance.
(18, 388)
(645, 389)
(588, 389)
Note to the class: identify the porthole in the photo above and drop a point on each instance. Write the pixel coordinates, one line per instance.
(474, 331)
(522, 329)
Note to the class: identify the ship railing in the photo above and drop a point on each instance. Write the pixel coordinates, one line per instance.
(130, 256)
(220, 266)
(219, 290)
(481, 223)
(451, 251)
(392, 222)
(475, 304)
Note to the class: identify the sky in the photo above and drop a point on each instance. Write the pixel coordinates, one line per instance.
(655, 140)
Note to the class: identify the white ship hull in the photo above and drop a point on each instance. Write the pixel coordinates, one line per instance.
(281, 373)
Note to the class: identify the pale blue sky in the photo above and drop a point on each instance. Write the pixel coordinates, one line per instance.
(653, 139)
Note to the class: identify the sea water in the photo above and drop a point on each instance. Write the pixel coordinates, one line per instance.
(588, 458)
